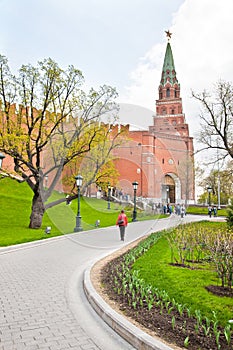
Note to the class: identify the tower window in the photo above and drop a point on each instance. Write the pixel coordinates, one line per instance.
(177, 93)
(168, 93)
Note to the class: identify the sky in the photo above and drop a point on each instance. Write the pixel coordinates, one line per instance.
(122, 43)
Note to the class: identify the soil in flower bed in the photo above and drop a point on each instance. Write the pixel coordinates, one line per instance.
(157, 322)
(220, 291)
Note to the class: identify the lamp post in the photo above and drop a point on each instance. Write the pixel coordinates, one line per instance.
(209, 189)
(135, 186)
(109, 189)
(1, 159)
(46, 180)
(167, 189)
(79, 180)
(219, 196)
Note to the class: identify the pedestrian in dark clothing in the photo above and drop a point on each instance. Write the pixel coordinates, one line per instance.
(215, 211)
(122, 222)
(209, 211)
(182, 211)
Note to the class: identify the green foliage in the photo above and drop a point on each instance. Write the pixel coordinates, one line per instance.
(222, 176)
(186, 342)
(193, 243)
(15, 199)
(203, 210)
(229, 217)
(227, 333)
(185, 285)
(39, 128)
(153, 283)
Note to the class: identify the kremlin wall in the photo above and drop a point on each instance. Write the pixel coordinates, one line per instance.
(160, 158)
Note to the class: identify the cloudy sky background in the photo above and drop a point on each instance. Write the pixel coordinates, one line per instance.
(122, 43)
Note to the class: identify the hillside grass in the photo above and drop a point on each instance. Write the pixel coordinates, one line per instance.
(15, 204)
(16, 201)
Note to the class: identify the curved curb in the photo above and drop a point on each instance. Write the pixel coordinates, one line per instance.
(134, 335)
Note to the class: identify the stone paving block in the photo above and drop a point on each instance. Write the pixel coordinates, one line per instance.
(88, 346)
(35, 301)
(20, 346)
(5, 336)
(32, 346)
(50, 342)
(7, 343)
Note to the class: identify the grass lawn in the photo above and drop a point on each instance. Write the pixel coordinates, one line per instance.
(204, 210)
(15, 202)
(64, 216)
(186, 286)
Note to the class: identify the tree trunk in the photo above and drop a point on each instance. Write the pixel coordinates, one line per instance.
(38, 210)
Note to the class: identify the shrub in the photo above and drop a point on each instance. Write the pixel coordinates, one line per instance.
(229, 216)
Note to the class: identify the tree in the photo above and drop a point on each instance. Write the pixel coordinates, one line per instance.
(225, 178)
(46, 122)
(97, 166)
(186, 170)
(230, 215)
(217, 119)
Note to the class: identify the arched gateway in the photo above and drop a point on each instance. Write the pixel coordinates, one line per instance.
(171, 188)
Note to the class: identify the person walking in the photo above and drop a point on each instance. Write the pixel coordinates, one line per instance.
(182, 211)
(122, 222)
(209, 211)
(215, 211)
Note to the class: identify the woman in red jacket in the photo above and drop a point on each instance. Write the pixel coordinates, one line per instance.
(122, 222)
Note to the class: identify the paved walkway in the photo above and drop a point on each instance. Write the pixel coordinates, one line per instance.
(43, 305)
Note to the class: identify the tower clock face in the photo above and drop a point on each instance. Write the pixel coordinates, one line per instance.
(170, 161)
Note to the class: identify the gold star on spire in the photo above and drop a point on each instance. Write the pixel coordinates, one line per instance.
(169, 34)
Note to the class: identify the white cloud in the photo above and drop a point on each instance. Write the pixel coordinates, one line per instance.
(203, 53)
(143, 89)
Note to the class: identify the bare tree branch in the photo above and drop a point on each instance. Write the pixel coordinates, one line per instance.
(217, 119)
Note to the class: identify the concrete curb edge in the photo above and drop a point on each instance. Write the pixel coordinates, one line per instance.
(134, 335)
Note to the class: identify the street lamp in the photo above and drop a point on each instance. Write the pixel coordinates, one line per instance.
(167, 189)
(219, 197)
(135, 186)
(209, 189)
(1, 159)
(109, 189)
(46, 180)
(79, 181)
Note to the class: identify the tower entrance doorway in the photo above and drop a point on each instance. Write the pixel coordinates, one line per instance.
(170, 189)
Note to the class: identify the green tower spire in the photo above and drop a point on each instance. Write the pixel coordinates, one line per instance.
(168, 72)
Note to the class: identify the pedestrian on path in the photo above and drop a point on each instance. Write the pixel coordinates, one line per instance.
(209, 211)
(122, 222)
(182, 211)
(215, 211)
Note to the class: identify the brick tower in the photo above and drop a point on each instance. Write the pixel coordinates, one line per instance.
(160, 159)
